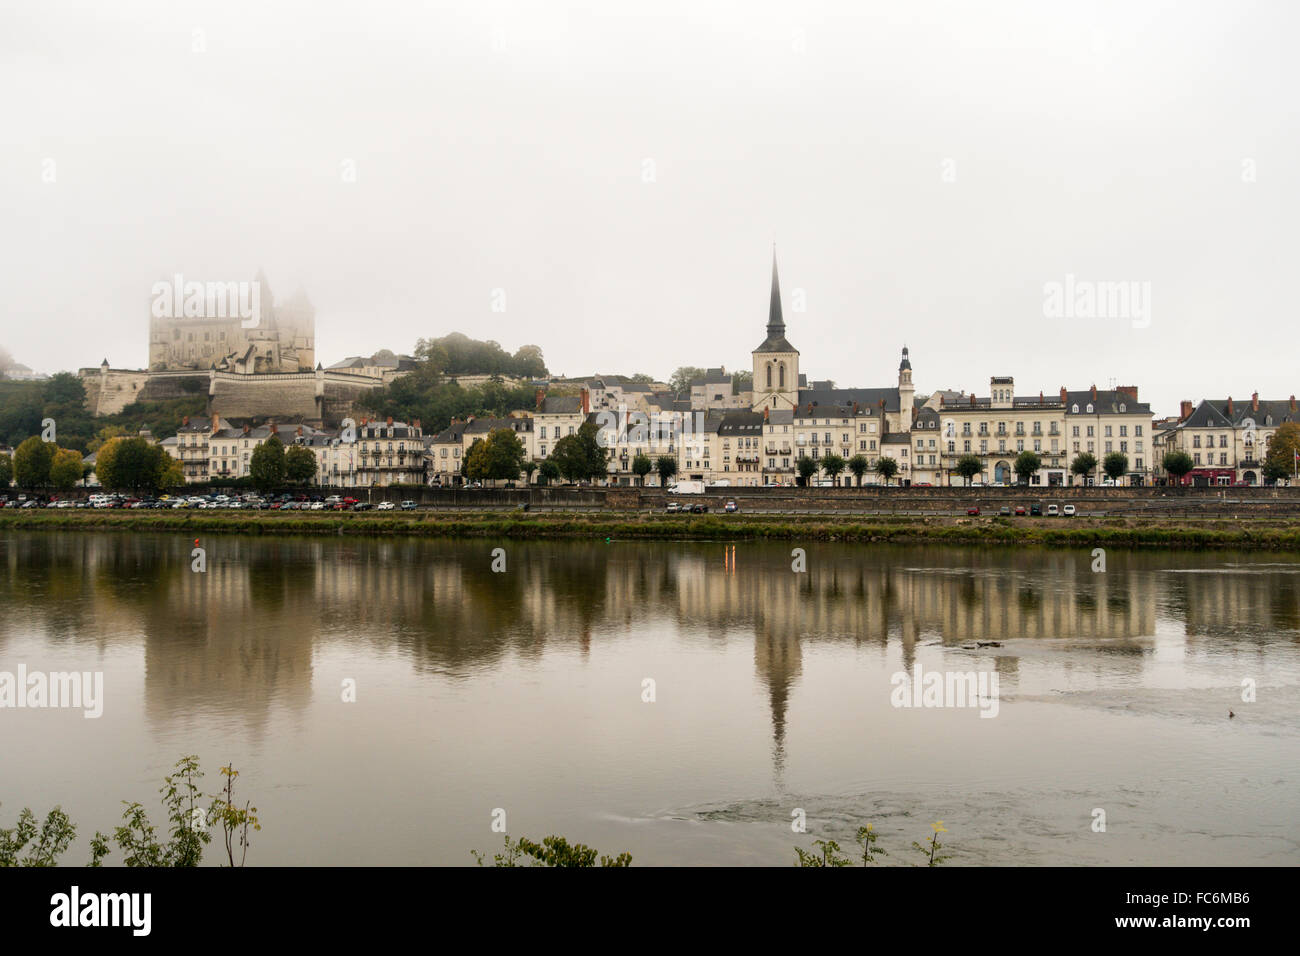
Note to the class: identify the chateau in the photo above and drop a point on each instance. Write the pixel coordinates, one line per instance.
(280, 338)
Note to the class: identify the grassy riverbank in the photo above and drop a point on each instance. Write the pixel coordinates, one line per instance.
(1262, 534)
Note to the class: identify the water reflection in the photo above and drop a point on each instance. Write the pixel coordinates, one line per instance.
(243, 634)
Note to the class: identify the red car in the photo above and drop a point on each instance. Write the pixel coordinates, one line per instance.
(972, 511)
(1020, 511)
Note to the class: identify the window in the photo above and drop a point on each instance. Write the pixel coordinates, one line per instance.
(1074, 409)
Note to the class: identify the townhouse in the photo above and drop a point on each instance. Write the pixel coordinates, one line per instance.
(1226, 440)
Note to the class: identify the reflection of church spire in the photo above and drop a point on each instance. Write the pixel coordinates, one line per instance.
(779, 663)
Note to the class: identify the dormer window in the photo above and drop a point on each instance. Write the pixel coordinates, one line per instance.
(1074, 409)
(1090, 408)
(1122, 407)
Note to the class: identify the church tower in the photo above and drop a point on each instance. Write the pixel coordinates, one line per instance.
(776, 361)
(906, 392)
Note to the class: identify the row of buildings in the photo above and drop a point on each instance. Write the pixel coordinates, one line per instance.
(755, 435)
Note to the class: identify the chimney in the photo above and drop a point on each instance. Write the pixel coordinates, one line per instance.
(389, 420)
(1094, 392)
(540, 397)
(245, 429)
(1040, 397)
(1229, 406)
(941, 401)
(415, 423)
(216, 421)
(185, 421)
(972, 399)
(1184, 410)
(766, 409)
(1254, 402)
(1292, 404)
(1065, 396)
(586, 401)
(1130, 390)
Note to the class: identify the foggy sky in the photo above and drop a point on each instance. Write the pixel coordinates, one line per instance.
(923, 168)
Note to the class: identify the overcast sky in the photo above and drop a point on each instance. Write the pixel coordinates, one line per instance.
(925, 169)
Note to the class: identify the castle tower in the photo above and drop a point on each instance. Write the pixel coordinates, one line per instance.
(776, 361)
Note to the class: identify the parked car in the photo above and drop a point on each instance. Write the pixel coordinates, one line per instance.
(363, 506)
(730, 507)
(674, 507)
(386, 506)
(1036, 510)
(973, 510)
(1004, 511)
(699, 508)
(1020, 511)
(1053, 511)
(333, 499)
(409, 506)
(320, 505)
(1069, 511)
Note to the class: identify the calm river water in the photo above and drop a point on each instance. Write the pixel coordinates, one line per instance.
(525, 691)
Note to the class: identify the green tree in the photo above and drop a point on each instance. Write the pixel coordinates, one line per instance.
(299, 464)
(499, 456)
(579, 456)
(1280, 462)
(133, 464)
(1027, 465)
(859, 466)
(6, 471)
(1178, 463)
(547, 472)
(666, 466)
(103, 435)
(1084, 464)
(1115, 465)
(833, 465)
(968, 466)
(65, 469)
(266, 467)
(806, 468)
(642, 466)
(32, 460)
(886, 468)
(530, 466)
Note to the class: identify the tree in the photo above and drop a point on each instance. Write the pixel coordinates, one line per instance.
(32, 460)
(103, 435)
(133, 464)
(64, 388)
(1178, 464)
(500, 456)
(741, 382)
(642, 466)
(266, 467)
(858, 465)
(6, 471)
(833, 465)
(886, 468)
(530, 466)
(1027, 465)
(580, 456)
(1280, 462)
(666, 466)
(547, 472)
(1115, 465)
(806, 468)
(968, 466)
(172, 474)
(65, 469)
(681, 379)
(1084, 464)
(299, 464)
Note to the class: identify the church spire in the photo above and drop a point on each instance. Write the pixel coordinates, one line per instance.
(775, 321)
